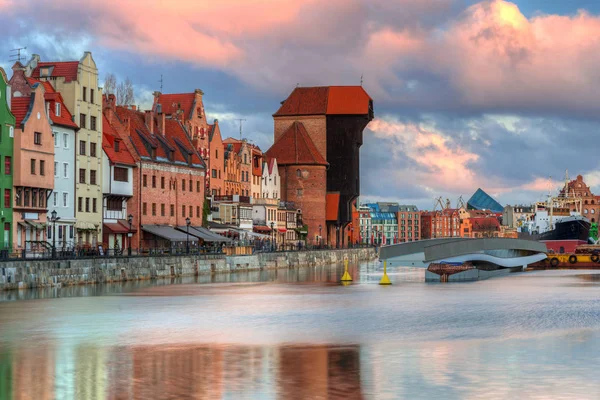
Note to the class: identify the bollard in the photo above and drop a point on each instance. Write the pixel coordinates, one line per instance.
(385, 280)
(346, 277)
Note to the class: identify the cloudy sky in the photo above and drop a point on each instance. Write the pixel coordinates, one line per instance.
(492, 94)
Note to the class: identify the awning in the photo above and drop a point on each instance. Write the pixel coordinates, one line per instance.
(36, 225)
(200, 234)
(115, 227)
(261, 228)
(85, 226)
(213, 237)
(169, 233)
(282, 230)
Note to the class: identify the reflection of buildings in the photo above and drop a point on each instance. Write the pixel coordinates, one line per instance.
(319, 372)
(33, 373)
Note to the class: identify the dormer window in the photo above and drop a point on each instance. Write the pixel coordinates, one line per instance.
(45, 71)
(117, 146)
(57, 109)
(153, 153)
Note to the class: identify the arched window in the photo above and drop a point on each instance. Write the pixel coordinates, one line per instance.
(298, 173)
(593, 211)
(585, 202)
(585, 211)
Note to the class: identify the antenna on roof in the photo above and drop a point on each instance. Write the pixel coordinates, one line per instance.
(17, 54)
(161, 82)
(241, 120)
(361, 79)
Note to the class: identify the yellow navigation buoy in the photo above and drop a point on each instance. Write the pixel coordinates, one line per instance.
(385, 280)
(346, 277)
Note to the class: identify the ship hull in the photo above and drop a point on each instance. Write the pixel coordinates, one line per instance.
(574, 229)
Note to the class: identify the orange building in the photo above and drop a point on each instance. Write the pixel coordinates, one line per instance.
(327, 123)
(241, 158)
(440, 224)
(216, 161)
(33, 169)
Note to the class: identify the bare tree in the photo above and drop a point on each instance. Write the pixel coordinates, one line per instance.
(110, 84)
(123, 91)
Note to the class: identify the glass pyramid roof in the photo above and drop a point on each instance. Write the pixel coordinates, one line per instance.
(483, 201)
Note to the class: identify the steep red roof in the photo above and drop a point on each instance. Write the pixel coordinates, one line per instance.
(19, 108)
(170, 103)
(52, 96)
(296, 147)
(109, 136)
(66, 69)
(329, 100)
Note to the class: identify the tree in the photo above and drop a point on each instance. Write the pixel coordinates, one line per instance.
(123, 91)
(205, 212)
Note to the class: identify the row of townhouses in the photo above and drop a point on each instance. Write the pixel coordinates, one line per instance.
(78, 170)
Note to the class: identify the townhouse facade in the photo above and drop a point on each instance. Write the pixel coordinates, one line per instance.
(216, 161)
(77, 81)
(7, 133)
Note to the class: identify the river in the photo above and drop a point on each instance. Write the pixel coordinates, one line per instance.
(298, 334)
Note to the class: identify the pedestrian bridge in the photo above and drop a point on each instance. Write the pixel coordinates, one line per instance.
(485, 252)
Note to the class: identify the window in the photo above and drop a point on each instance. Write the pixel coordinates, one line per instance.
(144, 208)
(82, 121)
(191, 211)
(153, 181)
(84, 94)
(65, 170)
(55, 199)
(33, 166)
(162, 182)
(197, 211)
(216, 154)
(42, 167)
(183, 185)
(299, 192)
(26, 199)
(37, 138)
(91, 95)
(298, 173)
(82, 147)
(191, 186)
(245, 159)
(87, 204)
(7, 198)
(65, 199)
(81, 175)
(56, 169)
(172, 210)
(80, 204)
(198, 186)
(92, 177)
(117, 145)
(145, 181)
(153, 209)
(114, 205)
(121, 174)
(65, 140)
(214, 173)
(93, 123)
(162, 210)
(55, 139)
(57, 109)
(93, 149)
(183, 211)
(7, 165)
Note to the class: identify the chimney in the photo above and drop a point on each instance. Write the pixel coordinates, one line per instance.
(133, 107)
(161, 118)
(216, 122)
(150, 120)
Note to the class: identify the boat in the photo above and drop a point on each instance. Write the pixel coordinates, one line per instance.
(574, 227)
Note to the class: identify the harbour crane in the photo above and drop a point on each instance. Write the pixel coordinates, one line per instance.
(461, 203)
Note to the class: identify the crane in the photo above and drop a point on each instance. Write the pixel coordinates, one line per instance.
(461, 203)
(439, 201)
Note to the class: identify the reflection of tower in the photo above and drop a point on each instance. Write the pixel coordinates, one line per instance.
(34, 373)
(90, 378)
(320, 372)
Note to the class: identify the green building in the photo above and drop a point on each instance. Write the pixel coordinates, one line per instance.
(7, 125)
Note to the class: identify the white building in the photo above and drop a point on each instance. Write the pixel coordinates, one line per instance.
(270, 180)
(117, 187)
(62, 199)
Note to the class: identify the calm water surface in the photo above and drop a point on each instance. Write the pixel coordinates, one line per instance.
(297, 334)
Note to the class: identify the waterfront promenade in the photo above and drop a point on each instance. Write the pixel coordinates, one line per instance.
(31, 273)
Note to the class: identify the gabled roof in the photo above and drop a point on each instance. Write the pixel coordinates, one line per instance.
(327, 100)
(269, 165)
(20, 108)
(52, 96)
(296, 147)
(66, 69)
(170, 103)
(109, 136)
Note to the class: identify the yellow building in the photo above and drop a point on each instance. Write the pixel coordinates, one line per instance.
(77, 81)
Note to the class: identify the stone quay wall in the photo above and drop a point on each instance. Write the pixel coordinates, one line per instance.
(30, 274)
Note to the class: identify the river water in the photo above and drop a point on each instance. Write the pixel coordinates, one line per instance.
(298, 334)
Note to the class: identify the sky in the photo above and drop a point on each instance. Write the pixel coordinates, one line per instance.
(492, 94)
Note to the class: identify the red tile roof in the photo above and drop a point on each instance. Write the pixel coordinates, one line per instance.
(170, 103)
(332, 206)
(296, 147)
(20, 107)
(329, 100)
(66, 69)
(52, 96)
(109, 136)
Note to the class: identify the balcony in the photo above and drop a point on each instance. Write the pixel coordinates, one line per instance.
(233, 199)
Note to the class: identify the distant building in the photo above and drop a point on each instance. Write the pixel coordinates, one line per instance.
(216, 162)
(517, 216)
(590, 207)
(440, 224)
(271, 183)
(483, 201)
(409, 223)
(7, 133)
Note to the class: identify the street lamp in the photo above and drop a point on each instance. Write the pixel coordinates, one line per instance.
(320, 237)
(337, 236)
(129, 235)
(53, 219)
(272, 234)
(187, 235)
(352, 235)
